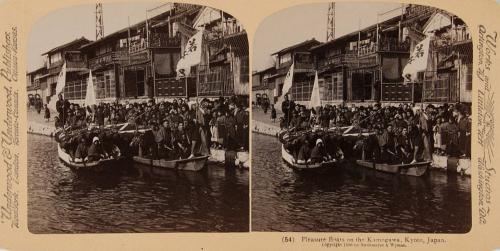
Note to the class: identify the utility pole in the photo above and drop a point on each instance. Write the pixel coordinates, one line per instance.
(330, 24)
(99, 21)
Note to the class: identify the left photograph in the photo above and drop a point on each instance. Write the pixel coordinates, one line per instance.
(138, 120)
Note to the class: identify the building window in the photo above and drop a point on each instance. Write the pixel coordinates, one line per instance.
(332, 87)
(285, 58)
(54, 58)
(75, 90)
(301, 89)
(104, 84)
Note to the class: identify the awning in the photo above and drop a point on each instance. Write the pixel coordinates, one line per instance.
(43, 76)
(186, 30)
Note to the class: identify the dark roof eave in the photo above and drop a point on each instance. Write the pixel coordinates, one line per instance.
(289, 48)
(354, 33)
(123, 30)
(61, 47)
(37, 70)
(265, 70)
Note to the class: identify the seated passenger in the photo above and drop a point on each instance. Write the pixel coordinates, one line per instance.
(318, 153)
(96, 151)
(81, 150)
(304, 152)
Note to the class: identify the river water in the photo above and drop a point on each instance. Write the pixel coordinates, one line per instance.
(61, 201)
(353, 199)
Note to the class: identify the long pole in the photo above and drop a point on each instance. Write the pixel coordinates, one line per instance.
(148, 43)
(377, 44)
(128, 39)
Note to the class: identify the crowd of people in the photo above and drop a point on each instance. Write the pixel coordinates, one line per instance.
(402, 133)
(169, 130)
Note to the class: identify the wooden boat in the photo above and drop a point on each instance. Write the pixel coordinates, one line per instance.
(292, 162)
(97, 166)
(415, 169)
(192, 164)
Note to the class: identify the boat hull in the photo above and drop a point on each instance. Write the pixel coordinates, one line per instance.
(416, 169)
(194, 164)
(90, 166)
(324, 166)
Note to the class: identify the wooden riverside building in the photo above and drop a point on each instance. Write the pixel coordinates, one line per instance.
(366, 65)
(139, 61)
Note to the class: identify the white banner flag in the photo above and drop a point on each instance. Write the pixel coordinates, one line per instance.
(90, 99)
(61, 82)
(417, 61)
(191, 55)
(287, 84)
(315, 100)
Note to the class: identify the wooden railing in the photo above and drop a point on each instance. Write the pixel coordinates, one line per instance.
(137, 46)
(76, 64)
(392, 45)
(215, 82)
(161, 40)
(108, 58)
(334, 60)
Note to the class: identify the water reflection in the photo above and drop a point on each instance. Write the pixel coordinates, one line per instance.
(353, 199)
(128, 200)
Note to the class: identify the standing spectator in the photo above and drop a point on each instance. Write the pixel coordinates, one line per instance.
(464, 129)
(99, 116)
(438, 136)
(221, 129)
(286, 108)
(230, 140)
(241, 120)
(47, 113)
(213, 129)
(273, 114)
(60, 109)
(38, 105)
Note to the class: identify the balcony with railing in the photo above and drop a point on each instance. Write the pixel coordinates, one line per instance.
(224, 28)
(75, 64)
(184, 7)
(138, 45)
(392, 45)
(54, 65)
(108, 58)
(414, 10)
(163, 40)
(303, 62)
(331, 62)
(215, 81)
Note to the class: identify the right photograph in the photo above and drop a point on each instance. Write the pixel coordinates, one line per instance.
(361, 120)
